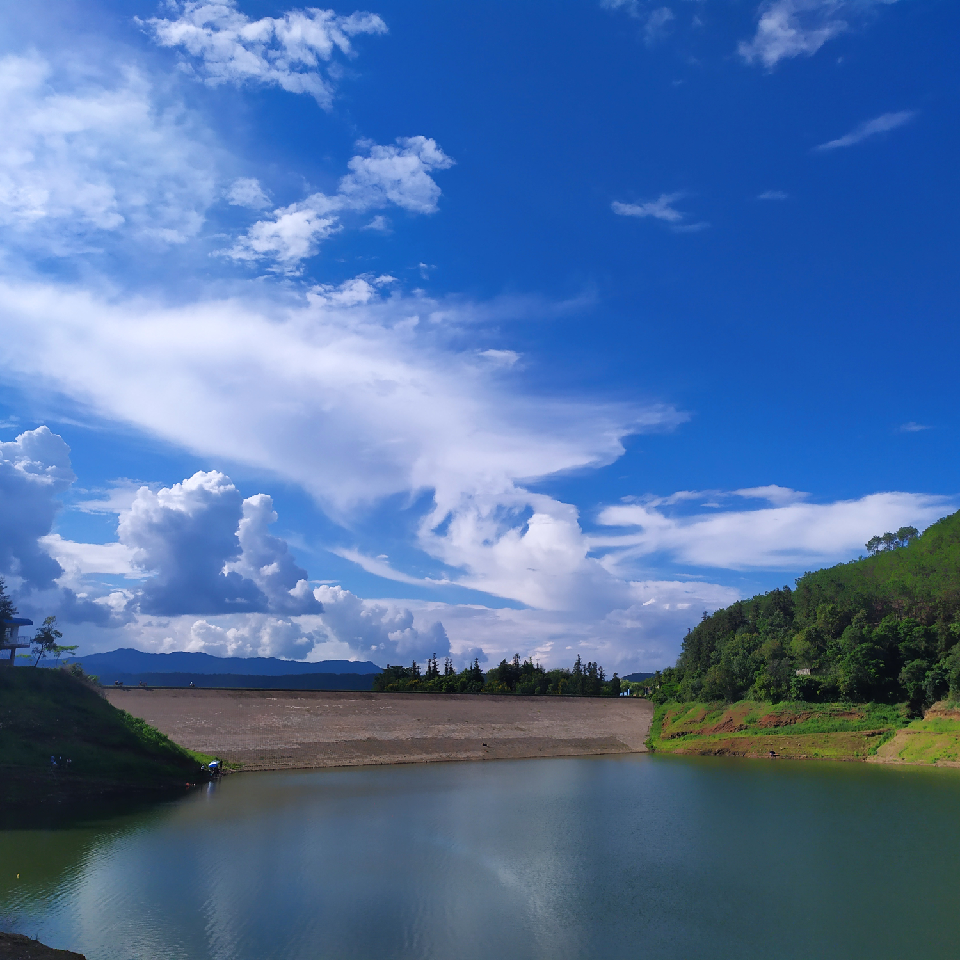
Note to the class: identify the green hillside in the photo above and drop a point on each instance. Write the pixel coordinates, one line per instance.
(50, 713)
(883, 629)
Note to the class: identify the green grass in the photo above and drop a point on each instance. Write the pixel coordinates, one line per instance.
(934, 739)
(839, 731)
(46, 713)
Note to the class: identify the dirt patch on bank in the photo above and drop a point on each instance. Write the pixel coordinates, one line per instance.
(286, 729)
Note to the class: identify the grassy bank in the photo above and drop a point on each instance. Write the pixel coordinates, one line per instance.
(835, 731)
(933, 740)
(46, 713)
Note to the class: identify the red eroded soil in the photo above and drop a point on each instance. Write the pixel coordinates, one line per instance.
(782, 719)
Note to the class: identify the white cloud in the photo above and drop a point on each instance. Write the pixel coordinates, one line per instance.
(395, 174)
(503, 358)
(293, 234)
(34, 469)
(288, 51)
(792, 28)
(643, 633)
(118, 498)
(379, 223)
(84, 158)
(248, 635)
(184, 537)
(381, 567)
(881, 124)
(660, 209)
(247, 192)
(631, 7)
(384, 399)
(773, 195)
(379, 631)
(348, 628)
(789, 535)
(266, 560)
(657, 24)
(913, 427)
(80, 559)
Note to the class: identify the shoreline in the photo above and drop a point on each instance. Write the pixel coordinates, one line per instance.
(18, 946)
(851, 732)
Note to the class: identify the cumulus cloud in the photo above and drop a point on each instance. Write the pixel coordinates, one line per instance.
(348, 627)
(377, 631)
(183, 537)
(395, 174)
(789, 534)
(224, 46)
(882, 124)
(642, 633)
(792, 28)
(84, 159)
(266, 561)
(34, 469)
(252, 636)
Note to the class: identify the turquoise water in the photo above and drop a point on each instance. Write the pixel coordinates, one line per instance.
(639, 857)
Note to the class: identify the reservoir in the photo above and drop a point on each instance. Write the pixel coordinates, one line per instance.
(601, 857)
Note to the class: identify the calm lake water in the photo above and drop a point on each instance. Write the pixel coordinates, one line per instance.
(602, 857)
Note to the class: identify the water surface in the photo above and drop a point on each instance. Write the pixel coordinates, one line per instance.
(609, 857)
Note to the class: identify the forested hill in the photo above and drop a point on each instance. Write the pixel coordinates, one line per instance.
(883, 628)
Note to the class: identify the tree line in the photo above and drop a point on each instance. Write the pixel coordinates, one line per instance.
(524, 678)
(883, 628)
(46, 640)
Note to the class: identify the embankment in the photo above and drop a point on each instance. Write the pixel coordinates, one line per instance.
(834, 731)
(61, 741)
(933, 740)
(876, 733)
(278, 729)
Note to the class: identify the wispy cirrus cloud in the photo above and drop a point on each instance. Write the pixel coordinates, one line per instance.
(789, 533)
(871, 128)
(660, 209)
(223, 45)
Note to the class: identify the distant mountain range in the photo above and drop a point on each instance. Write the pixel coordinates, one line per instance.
(245, 681)
(180, 669)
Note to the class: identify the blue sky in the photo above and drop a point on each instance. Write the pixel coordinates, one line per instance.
(538, 328)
